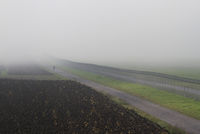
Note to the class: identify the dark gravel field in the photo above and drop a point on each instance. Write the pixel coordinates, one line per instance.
(65, 107)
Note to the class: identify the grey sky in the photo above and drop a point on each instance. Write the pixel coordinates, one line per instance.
(101, 30)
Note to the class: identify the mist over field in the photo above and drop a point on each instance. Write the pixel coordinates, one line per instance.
(112, 32)
(100, 66)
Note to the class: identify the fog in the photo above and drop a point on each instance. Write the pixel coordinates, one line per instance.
(102, 32)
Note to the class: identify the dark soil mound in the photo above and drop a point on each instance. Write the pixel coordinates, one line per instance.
(64, 107)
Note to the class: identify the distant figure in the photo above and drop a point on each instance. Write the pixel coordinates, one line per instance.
(54, 68)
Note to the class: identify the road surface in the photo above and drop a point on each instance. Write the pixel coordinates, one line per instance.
(190, 125)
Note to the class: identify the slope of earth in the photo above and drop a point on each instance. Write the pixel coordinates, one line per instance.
(29, 69)
(57, 107)
(86, 66)
(189, 88)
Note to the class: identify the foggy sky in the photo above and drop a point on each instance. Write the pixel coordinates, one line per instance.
(101, 30)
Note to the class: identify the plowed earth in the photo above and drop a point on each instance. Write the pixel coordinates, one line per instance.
(65, 107)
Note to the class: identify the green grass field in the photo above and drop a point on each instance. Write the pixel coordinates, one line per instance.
(181, 71)
(3, 73)
(193, 73)
(165, 80)
(178, 103)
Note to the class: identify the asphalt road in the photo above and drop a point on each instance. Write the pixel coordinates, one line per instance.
(190, 125)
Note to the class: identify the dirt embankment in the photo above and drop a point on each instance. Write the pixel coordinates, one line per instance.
(29, 69)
